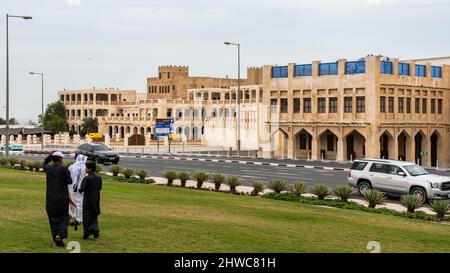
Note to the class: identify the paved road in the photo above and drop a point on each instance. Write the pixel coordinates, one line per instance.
(265, 173)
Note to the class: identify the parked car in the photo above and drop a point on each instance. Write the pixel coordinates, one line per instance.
(98, 152)
(398, 178)
(12, 147)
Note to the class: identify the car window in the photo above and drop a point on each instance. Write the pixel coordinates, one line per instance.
(378, 168)
(415, 170)
(100, 147)
(394, 170)
(359, 166)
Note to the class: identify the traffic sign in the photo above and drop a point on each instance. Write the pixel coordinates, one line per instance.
(164, 127)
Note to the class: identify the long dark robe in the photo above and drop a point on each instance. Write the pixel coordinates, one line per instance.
(91, 186)
(57, 197)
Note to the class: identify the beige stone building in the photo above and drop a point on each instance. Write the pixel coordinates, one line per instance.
(173, 82)
(374, 107)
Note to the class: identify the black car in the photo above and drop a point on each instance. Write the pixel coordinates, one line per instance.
(98, 152)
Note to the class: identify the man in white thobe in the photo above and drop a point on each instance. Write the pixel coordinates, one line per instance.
(77, 173)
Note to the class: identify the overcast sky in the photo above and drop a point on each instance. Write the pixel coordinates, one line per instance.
(118, 43)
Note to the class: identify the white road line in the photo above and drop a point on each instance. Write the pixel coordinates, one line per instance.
(309, 167)
(258, 163)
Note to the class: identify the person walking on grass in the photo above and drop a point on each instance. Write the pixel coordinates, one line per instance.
(57, 196)
(77, 173)
(91, 187)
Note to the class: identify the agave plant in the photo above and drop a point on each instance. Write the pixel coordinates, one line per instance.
(115, 169)
(37, 165)
(170, 176)
(67, 163)
(13, 161)
(344, 192)
(232, 182)
(3, 161)
(200, 177)
(278, 185)
(184, 177)
(128, 173)
(440, 207)
(142, 174)
(257, 187)
(99, 167)
(30, 165)
(218, 179)
(298, 188)
(411, 202)
(23, 164)
(374, 197)
(321, 191)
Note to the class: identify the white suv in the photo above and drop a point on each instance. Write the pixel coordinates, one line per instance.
(397, 178)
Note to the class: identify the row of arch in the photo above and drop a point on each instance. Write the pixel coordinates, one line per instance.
(193, 133)
(419, 148)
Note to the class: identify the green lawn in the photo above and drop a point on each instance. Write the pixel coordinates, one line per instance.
(151, 218)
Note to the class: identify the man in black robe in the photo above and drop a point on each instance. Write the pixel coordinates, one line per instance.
(91, 186)
(57, 196)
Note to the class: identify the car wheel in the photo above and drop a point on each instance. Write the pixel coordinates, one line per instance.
(363, 186)
(420, 193)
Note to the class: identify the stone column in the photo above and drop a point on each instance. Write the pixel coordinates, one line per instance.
(19, 139)
(107, 140)
(340, 149)
(125, 139)
(29, 139)
(3, 139)
(315, 148)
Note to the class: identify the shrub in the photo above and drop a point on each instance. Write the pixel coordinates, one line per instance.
(13, 161)
(3, 161)
(142, 174)
(99, 167)
(278, 185)
(115, 169)
(200, 177)
(23, 164)
(218, 179)
(344, 192)
(127, 173)
(257, 187)
(184, 177)
(67, 163)
(170, 176)
(321, 191)
(440, 207)
(374, 197)
(30, 165)
(411, 202)
(37, 165)
(298, 188)
(233, 182)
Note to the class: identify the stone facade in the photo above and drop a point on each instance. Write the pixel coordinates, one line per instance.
(346, 110)
(173, 82)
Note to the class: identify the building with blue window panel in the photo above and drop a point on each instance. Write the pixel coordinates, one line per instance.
(303, 70)
(356, 67)
(421, 70)
(403, 69)
(386, 67)
(436, 72)
(328, 69)
(279, 72)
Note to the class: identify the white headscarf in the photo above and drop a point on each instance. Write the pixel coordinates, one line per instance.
(77, 172)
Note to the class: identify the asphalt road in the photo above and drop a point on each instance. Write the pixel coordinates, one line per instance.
(262, 173)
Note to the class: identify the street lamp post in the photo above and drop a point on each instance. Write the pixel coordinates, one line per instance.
(7, 77)
(238, 97)
(42, 107)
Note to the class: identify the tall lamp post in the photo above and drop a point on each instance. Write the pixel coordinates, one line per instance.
(42, 106)
(7, 77)
(238, 97)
